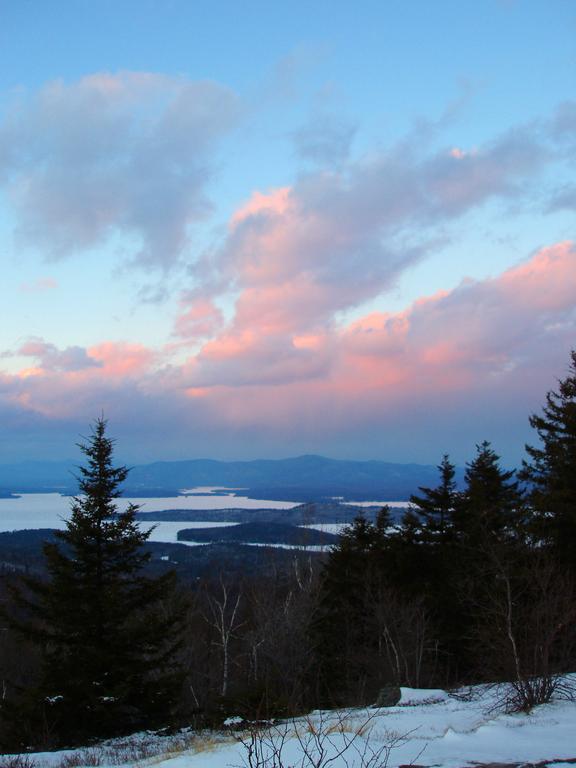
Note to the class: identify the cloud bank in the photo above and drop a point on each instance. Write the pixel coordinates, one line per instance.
(485, 350)
(273, 350)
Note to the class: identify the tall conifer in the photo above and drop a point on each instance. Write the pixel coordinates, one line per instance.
(110, 641)
(341, 629)
(551, 471)
(491, 502)
(435, 506)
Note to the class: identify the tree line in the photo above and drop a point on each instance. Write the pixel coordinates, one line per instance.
(473, 584)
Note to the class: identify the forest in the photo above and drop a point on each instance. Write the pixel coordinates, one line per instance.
(474, 584)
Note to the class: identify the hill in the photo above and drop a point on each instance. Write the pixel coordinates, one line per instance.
(21, 551)
(260, 533)
(303, 514)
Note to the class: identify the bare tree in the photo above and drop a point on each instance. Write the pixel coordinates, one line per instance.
(223, 617)
(525, 624)
(403, 630)
(276, 645)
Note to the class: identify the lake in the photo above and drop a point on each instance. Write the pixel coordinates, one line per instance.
(50, 510)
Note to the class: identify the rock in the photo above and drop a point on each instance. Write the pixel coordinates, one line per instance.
(388, 696)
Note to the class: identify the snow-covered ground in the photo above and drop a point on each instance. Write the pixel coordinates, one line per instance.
(427, 728)
(335, 528)
(399, 504)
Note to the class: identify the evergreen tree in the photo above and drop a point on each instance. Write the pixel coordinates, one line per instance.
(429, 565)
(551, 471)
(110, 640)
(491, 501)
(411, 530)
(436, 505)
(341, 631)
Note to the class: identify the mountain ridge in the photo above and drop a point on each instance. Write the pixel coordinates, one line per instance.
(298, 478)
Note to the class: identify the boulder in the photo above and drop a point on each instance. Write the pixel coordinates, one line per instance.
(388, 696)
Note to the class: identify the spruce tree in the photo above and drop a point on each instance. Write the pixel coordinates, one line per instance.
(551, 471)
(341, 630)
(491, 502)
(486, 528)
(436, 505)
(110, 641)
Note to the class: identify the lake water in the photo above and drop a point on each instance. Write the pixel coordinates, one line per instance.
(50, 510)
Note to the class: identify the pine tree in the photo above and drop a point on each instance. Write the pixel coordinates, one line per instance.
(436, 505)
(551, 471)
(110, 641)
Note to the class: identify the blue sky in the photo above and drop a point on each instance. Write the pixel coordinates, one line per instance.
(254, 228)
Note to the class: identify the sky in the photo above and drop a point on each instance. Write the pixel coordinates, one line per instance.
(258, 230)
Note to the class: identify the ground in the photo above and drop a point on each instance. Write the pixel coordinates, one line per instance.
(427, 728)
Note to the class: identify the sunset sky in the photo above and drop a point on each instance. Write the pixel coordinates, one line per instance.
(261, 229)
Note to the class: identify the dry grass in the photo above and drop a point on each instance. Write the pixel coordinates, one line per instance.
(17, 761)
(145, 748)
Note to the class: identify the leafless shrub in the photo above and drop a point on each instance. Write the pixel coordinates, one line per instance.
(322, 741)
(525, 694)
(120, 751)
(423, 702)
(17, 761)
(133, 750)
(466, 693)
(84, 757)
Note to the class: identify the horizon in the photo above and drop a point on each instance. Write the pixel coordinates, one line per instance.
(279, 231)
(77, 462)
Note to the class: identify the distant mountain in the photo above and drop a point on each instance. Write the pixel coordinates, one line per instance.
(304, 478)
(297, 479)
(39, 476)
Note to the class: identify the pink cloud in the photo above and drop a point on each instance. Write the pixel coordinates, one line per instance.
(276, 201)
(453, 339)
(122, 360)
(459, 340)
(251, 358)
(102, 361)
(200, 319)
(474, 360)
(50, 358)
(547, 281)
(295, 258)
(480, 329)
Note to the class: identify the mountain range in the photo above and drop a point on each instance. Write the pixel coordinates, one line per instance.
(302, 478)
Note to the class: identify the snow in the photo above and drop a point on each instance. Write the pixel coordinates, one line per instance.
(166, 532)
(427, 728)
(412, 696)
(208, 489)
(402, 504)
(235, 720)
(327, 527)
